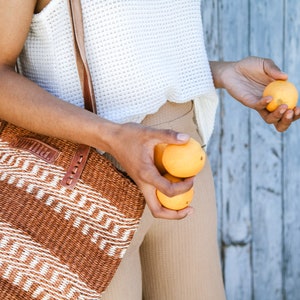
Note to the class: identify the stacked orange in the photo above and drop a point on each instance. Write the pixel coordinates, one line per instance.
(177, 162)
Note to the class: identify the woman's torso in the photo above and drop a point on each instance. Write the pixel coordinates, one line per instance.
(140, 53)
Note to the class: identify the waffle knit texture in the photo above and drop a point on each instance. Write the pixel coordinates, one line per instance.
(141, 53)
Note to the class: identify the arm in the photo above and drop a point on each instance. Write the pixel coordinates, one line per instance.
(245, 81)
(25, 104)
(30, 106)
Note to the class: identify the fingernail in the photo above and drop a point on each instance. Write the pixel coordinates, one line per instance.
(289, 115)
(282, 110)
(183, 137)
(269, 99)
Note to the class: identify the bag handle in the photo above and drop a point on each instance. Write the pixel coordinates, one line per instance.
(79, 160)
(82, 65)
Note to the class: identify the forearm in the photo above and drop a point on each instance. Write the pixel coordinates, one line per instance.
(25, 104)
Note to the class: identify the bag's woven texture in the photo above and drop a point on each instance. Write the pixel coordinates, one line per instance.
(57, 243)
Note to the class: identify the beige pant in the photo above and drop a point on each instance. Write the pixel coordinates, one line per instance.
(174, 260)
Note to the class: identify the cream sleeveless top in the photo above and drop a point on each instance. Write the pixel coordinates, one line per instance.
(141, 53)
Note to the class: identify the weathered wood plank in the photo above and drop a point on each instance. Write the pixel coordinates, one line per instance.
(237, 287)
(291, 174)
(210, 27)
(271, 260)
(266, 162)
(235, 174)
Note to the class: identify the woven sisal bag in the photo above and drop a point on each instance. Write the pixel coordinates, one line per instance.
(67, 215)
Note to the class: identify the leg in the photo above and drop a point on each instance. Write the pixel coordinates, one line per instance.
(180, 259)
(127, 282)
(126, 287)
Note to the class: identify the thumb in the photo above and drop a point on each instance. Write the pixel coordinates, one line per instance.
(271, 69)
(173, 137)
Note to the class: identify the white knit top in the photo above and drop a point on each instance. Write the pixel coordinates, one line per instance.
(140, 53)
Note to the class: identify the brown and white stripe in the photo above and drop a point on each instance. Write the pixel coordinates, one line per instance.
(57, 243)
(28, 266)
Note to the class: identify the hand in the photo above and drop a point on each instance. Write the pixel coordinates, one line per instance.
(246, 79)
(133, 148)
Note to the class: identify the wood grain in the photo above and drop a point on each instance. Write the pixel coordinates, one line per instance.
(256, 168)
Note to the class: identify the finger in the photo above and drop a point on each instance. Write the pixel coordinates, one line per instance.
(285, 122)
(165, 213)
(275, 116)
(296, 113)
(155, 179)
(175, 137)
(172, 189)
(158, 211)
(273, 70)
(170, 136)
(262, 103)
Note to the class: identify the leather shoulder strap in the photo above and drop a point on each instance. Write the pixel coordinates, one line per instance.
(80, 158)
(82, 65)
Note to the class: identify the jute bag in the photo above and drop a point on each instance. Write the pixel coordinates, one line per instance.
(67, 215)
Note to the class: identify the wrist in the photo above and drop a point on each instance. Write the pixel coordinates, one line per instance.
(219, 71)
(105, 135)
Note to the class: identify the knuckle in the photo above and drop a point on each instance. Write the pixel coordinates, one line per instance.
(156, 213)
(170, 132)
(281, 129)
(145, 174)
(140, 174)
(182, 217)
(269, 121)
(169, 190)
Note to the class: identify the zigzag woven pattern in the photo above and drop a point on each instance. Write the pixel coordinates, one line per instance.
(57, 243)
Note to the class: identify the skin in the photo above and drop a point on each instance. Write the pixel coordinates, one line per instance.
(245, 81)
(131, 144)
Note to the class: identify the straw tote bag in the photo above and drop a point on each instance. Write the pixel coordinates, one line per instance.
(67, 215)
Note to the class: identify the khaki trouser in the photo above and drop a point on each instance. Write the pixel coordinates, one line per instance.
(168, 259)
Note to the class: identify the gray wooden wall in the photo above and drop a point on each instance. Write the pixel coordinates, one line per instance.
(256, 168)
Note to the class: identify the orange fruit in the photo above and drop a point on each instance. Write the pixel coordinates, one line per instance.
(176, 202)
(184, 160)
(158, 152)
(283, 92)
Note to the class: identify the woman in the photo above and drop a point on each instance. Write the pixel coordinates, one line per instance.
(153, 84)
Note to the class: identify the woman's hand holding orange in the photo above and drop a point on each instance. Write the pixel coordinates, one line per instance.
(246, 80)
(176, 163)
(133, 147)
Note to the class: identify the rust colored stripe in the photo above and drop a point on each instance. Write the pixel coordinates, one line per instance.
(113, 185)
(130, 202)
(9, 291)
(58, 235)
